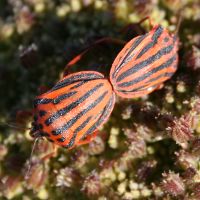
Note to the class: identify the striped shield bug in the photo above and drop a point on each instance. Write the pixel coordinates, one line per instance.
(71, 112)
(144, 63)
(74, 108)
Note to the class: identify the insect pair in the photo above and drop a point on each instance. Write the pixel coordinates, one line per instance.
(71, 112)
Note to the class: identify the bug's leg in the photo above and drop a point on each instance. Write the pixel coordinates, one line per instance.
(88, 139)
(135, 28)
(40, 158)
(159, 87)
(78, 57)
(27, 174)
(51, 154)
(151, 24)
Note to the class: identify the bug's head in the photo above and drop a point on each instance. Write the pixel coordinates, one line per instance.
(38, 125)
(37, 129)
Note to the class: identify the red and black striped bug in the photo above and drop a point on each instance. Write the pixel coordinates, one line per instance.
(71, 112)
(144, 63)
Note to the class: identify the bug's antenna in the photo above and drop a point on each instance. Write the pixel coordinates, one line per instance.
(180, 18)
(13, 125)
(31, 158)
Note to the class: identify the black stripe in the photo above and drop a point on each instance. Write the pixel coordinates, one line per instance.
(72, 121)
(75, 78)
(71, 106)
(175, 38)
(162, 75)
(145, 86)
(71, 143)
(148, 74)
(134, 90)
(152, 43)
(63, 96)
(157, 33)
(77, 130)
(104, 115)
(127, 58)
(82, 126)
(78, 85)
(166, 75)
(41, 101)
(42, 113)
(145, 63)
(62, 139)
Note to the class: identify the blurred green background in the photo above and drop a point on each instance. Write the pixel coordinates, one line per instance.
(37, 39)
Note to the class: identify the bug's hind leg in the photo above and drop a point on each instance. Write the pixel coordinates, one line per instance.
(135, 29)
(78, 57)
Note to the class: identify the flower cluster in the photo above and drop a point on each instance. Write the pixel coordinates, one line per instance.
(150, 147)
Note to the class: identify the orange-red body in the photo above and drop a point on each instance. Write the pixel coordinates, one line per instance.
(72, 111)
(74, 108)
(144, 63)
